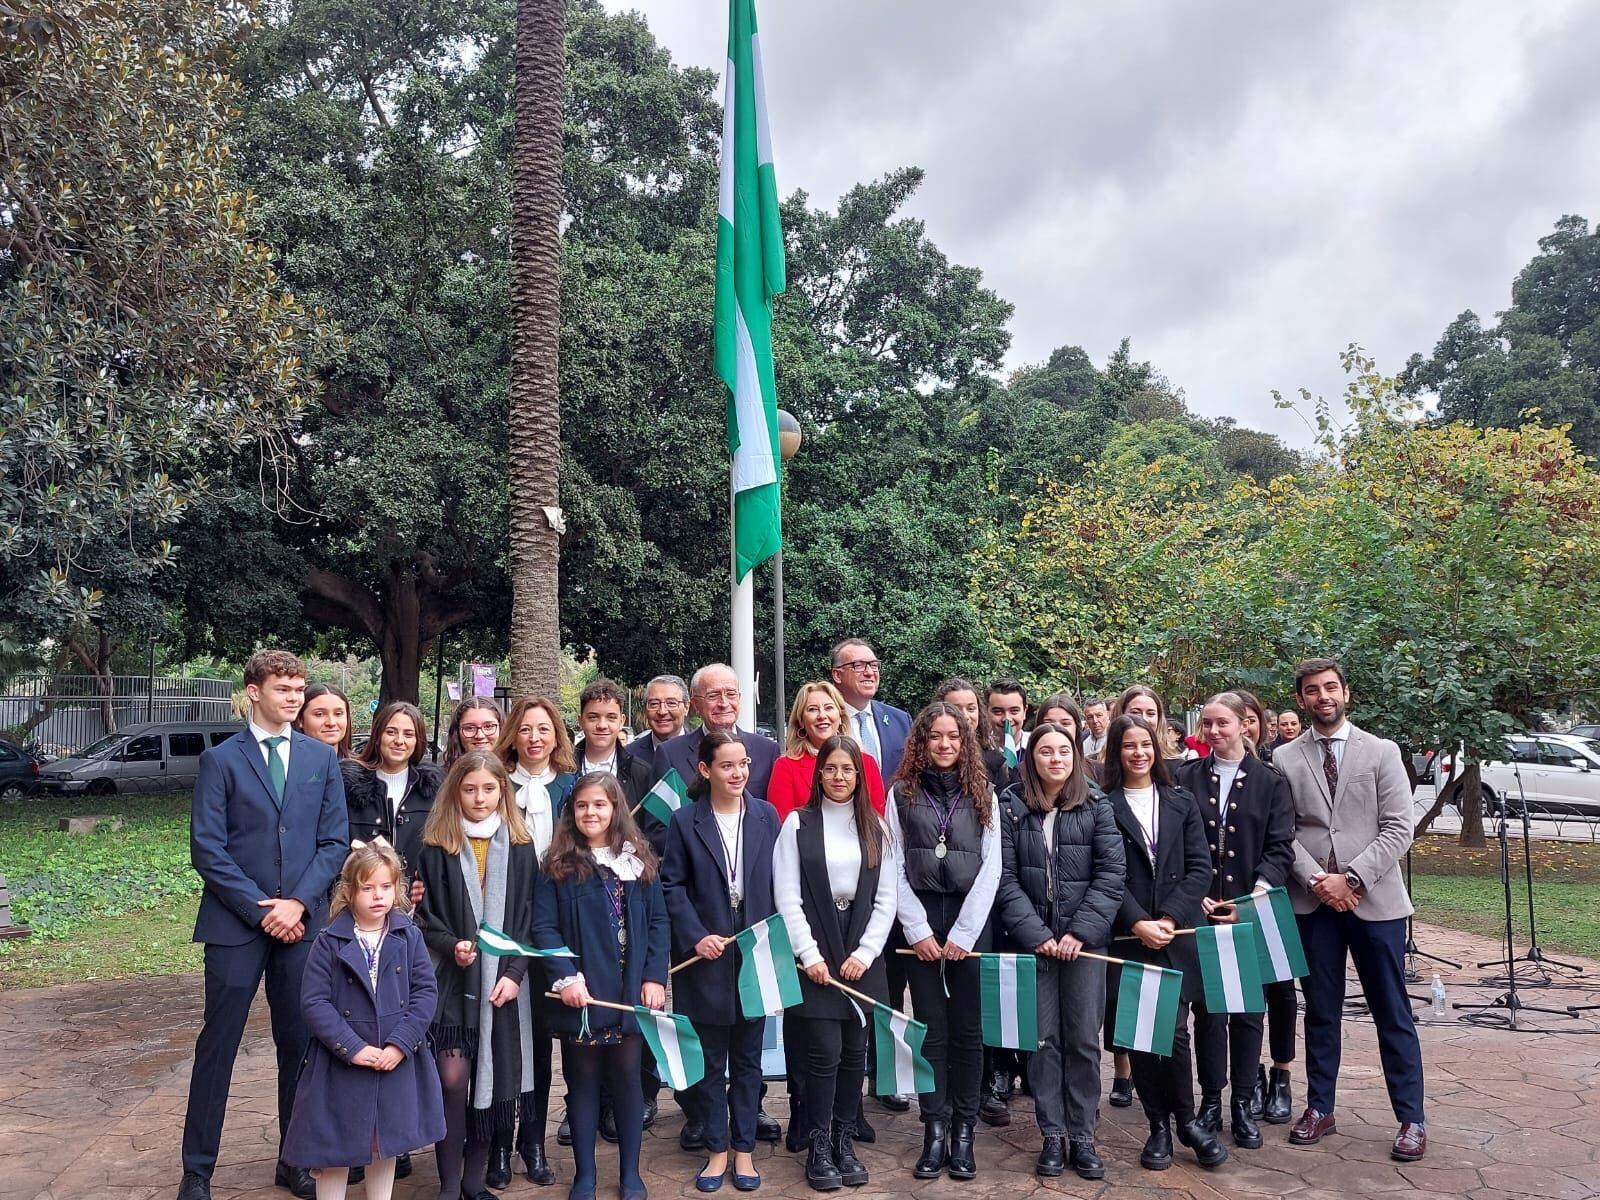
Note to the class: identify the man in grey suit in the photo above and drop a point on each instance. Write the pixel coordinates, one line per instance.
(1352, 802)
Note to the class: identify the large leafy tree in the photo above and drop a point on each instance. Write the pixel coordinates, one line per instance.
(1541, 356)
(143, 331)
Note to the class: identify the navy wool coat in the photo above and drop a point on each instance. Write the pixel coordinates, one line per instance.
(341, 1111)
(575, 913)
(694, 879)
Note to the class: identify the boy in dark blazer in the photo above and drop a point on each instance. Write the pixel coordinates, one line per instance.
(268, 834)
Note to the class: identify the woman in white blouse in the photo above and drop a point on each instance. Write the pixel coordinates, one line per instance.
(834, 881)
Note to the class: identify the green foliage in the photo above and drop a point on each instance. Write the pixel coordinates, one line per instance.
(141, 328)
(61, 882)
(1541, 357)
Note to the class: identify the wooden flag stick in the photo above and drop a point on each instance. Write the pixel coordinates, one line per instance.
(1081, 953)
(850, 991)
(1133, 937)
(627, 1008)
(689, 962)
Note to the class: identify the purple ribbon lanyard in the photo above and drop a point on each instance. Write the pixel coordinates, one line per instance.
(940, 850)
(616, 909)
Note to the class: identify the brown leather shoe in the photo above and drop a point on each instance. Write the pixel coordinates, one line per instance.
(1308, 1130)
(1411, 1143)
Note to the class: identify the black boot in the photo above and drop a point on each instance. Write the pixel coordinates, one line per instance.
(1157, 1152)
(1085, 1161)
(534, 1163)
(1279, 1108)
(963, 1165)
(844, 1156)
(865, 1133)
(1246, 1132)
(1258, 1094)
(795, 1138)
(402, 1166)
(357, 1175)
(1052, 1157)
(935, 1150)
(821, 1173)
(1207, 1147)
(608, 1123)
(297, 1179)
(498, 1174)
(1210, 1114)
(992, 1108)
(564, 1132)
(1122, 1092)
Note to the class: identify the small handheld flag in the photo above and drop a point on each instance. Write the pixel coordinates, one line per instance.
(1009, 987)
(666, 798)
(1009, 746)
(768, 980)
(1278, 945)
(676, 1046)
(901, 1067)
(1147, 1008)
(1230, 969)
(492, 941)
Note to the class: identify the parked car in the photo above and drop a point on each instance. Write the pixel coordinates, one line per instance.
(1558, 774)
(19, 771)
(1586, 731)
(141, 758)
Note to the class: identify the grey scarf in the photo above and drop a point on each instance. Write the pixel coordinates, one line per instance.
(489, 908)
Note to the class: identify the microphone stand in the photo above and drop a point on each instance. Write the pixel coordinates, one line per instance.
(1413, 951)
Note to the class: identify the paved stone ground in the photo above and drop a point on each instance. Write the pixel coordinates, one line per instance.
(93, 1081)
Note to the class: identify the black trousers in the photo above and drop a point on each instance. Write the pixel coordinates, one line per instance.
(727, 1098)
(836, 1060)
(1283, 1014)
(1227, 1050)
(954, 1043)
(1378, 950)
(534, 1109)
(1064, 1072)
(233, 974)
(1166, 1085)
(796, 1064)
(616, 1066)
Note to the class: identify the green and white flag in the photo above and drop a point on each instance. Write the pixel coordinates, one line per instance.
(666, 798)
(768, 980)
(492, 941)
(901, 1067)
(1009, 747)
(1147, 1008)
(1009, 987)
(750, 272)
(1277, 934)
(676, 1046)
(1230, 969)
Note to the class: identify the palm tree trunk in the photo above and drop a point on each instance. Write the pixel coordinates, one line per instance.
(534, 424)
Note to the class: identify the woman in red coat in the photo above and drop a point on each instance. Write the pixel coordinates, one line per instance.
(816, 715)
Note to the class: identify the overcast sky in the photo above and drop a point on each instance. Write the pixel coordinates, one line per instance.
(1242, 189)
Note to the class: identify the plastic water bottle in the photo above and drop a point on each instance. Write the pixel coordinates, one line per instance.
(1437, 992)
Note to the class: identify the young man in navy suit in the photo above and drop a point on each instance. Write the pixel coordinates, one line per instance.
(881, 728)
(268, 834)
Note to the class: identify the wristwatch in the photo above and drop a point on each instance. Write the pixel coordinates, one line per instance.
(1354, 880)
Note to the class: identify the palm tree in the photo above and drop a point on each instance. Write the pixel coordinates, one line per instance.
(534, 422)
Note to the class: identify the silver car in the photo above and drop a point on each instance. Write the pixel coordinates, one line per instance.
(141, 758)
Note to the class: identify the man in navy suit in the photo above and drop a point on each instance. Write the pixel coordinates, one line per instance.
(714, 694)
(881, 728)
(268, 835)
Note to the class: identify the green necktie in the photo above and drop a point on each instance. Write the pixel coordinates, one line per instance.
(275, 767)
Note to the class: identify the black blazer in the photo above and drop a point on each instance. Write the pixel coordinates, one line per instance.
(576, 914)
(633, 772)
(1173, 887)
(1255, 838)
(694, 879)
(367, 802)
(682, 754)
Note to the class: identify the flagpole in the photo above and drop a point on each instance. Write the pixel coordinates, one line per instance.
(1000, 954)
(689, 962)
(591, 1002)
(850, 991)
(742, 654)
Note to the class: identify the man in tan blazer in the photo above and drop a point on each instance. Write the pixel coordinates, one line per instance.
(1352, 802)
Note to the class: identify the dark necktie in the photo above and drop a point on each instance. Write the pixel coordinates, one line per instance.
(1330, 767)
(275, 768)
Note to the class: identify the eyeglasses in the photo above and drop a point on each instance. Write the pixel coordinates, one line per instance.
(729, 695)
(861, 666)
(662, 705)
(477, 730)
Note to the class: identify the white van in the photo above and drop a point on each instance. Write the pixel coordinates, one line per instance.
(141, 758)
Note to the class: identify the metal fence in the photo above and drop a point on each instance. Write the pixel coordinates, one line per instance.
(62, 714)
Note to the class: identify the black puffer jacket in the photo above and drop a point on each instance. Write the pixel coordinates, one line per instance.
(1087, 865)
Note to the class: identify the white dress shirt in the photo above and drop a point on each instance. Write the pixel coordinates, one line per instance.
(261, 734)
(865, 731)
(1336, 740)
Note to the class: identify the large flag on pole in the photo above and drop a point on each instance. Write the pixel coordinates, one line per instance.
(1008, 986)
(1277, 934)
(1230, 969)
(676, 1046)
(898, 1040)
(750, 273)
(1147, 1008)
(768, 981)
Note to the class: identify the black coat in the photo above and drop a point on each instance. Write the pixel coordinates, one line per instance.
(694, 880)
(633, 773)
(1255, 839)
(446, 918)
(1172, 888)
(367, 802)
(1087, 867)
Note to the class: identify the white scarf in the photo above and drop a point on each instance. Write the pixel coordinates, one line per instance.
(626, 866)
(485, 828)
(533, 798)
